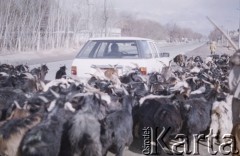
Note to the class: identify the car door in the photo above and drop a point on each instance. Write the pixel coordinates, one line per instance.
(156, 64)
(163, 58)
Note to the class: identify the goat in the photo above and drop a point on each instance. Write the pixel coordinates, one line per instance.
(12, 132)
(180, 60)
(80, 137)
(22, 68)
(116, 131)
(26, 82)
(158, 112)
(7, 98)
(45, 138)
(222, 113)
(167, 70)
(84, 137)
(40, 72)
(43, 72)
(61, 72)
(7, 68)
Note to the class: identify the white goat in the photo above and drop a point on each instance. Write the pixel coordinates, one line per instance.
(222, 117)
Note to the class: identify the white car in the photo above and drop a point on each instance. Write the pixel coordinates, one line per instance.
(104, 53)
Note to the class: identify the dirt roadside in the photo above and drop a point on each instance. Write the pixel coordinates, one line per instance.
(39, 57)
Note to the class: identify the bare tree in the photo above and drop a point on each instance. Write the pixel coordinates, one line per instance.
(39, 24)
(215, 35)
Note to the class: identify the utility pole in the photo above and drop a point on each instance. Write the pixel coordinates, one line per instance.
(228, 38)
(228, 35)
(239, 28)
(105, 17)
(90, 17)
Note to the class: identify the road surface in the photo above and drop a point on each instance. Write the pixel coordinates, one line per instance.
(180, 49)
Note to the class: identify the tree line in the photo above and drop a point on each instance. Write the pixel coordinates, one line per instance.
(152, 29)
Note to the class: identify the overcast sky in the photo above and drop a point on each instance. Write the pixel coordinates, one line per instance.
(187, 13)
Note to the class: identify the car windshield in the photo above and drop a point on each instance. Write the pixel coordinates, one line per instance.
(110, 49)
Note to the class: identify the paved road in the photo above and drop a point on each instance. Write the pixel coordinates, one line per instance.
(181, 48)
(54, 67)
(204, 51)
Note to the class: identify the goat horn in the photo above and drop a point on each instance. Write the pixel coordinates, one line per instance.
(194, 79)
(204, 74)
(81, 94)
(102, 76)
(163, 63)
(112, 66)
(43, 85)
(17, 105)
(136, 65)
(4, 74)
(207, 82)
(91, 89)
(54, 93)
(25, 106)
(52, 105)
(191, 77)
(29, 76)
(93, 75)
(125, 91)
(144, 79)
(105, 97)
(170, 62)
(43, 99)
(68, 106)
(115, 66)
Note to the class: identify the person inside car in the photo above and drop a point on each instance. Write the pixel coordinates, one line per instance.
(115, 51)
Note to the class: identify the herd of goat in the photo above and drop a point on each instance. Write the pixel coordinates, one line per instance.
(65, 117)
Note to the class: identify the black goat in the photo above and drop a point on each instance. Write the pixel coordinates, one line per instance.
(196, 112)
(40, 72)
(116, 132)
(7, 68)
(158, 112)
(80, 137)
(25, 82)
(22, 68)
(12, 132)
(45, 138)
(7, 98)
(61, 72)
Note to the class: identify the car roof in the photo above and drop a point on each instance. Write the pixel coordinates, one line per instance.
(121, 38)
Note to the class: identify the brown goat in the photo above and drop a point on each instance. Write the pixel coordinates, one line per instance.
(12, 132)
(17, 113)
(110, 72)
